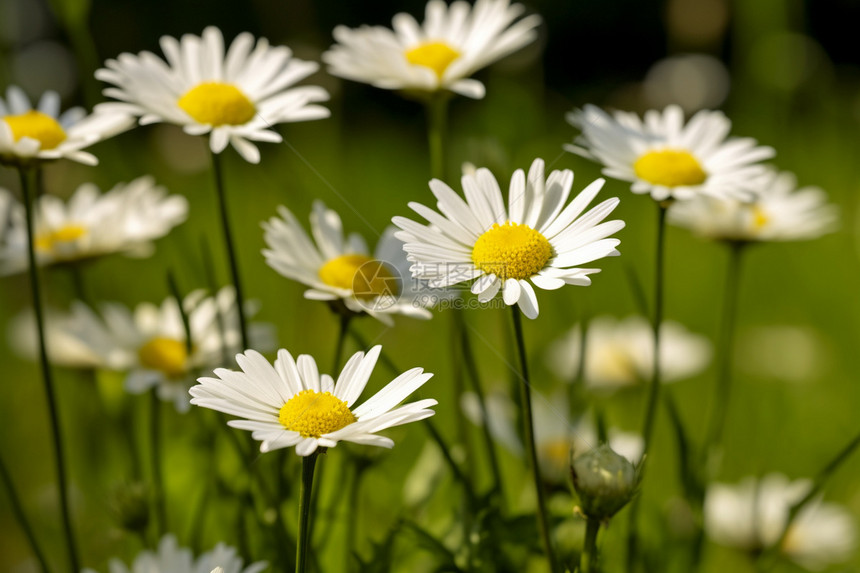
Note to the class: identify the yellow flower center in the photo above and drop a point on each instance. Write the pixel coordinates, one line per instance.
(434, 55)
(511, 251)
(36, 125)
(46, 242)
(759, 217)
(167, 355)
(613, 363)
(313, 414)
(364, 276)
(670, 168)
(214, 103)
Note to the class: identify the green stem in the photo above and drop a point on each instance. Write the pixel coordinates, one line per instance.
(155, 460)
(352, 506)
(345, 319)
(231, 249)
(308, 463)
(47, 377)
(475, 379)
(21, 516)
(528, 427)
(725, 347)
(589, 555)
(654, 388)
(437, 123)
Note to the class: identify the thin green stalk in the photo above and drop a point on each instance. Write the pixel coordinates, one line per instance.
(588, 557)
(725, 347)
(768, 557)
(308, 464)
(654, 388)
(345, 319)
(437, 127)
(155, 460)
(475, 379)
(352, 502)
(457, 382)
(231, 249)
(21, 516)
(47, 377)
(528, 428)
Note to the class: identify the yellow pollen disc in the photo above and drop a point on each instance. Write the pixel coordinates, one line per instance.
(364, 276)
(670, 168)
(759, 217)
(65, 234)
(36, 125)
(556, 451)
(313, 414)
(434, 55)
(511, 251)
(214, 103)
(167, 355)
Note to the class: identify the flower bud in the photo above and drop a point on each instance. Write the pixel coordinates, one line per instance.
(604, 480)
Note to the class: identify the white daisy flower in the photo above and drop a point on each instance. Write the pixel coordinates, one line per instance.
(149, 343)
(92, 224)
(170, 558)
(752, 514)
(236, 98)
(292, 404)
(453, 43)
(43, 133)
(619, 353)
(777, 212)
(662, 156)
(339, 268)
(536, 239)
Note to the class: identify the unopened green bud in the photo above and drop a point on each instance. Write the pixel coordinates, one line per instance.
(131, 506)
(604, 480)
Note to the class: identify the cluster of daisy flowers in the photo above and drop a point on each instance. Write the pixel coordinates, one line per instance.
(202, 350)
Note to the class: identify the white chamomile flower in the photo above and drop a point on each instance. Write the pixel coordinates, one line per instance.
(752, 515)
(778, 211)
(662, 156)
(235, 97)
(171, 558)
(619, 353)
(339, 268)
(92, 224)
(43, 133)
(535, 239)
(149, 343)
(292, 404)
(452, 44)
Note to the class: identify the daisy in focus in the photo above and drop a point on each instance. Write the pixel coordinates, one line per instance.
(235, 97)
(533, 240)
(42, 133)
(91, 224)
(169, 557)
(752, 514)
(452, 44)
(339, 268)
(291, 404)
(620, 353)
(662, 156)
(149, 342)
(777, 212)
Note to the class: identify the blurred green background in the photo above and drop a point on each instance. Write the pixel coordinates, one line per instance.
(778, 68)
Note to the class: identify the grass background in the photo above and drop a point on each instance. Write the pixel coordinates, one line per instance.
(794, 85)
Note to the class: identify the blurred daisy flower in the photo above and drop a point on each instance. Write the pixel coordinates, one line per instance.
(292, 404)
(235, 97)
(535, 239)
(169, 557)
(92, 224)
(752, 515)
(619, 353)
(338, 268)
(777, 212)
(42, 133)
(149, 343)
(453, 43)
(662, 156)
